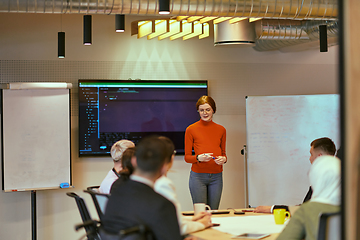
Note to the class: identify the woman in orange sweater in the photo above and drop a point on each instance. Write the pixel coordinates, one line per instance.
(208, 140)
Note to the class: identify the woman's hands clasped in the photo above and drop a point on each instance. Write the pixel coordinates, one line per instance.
(220, 160)
(205, 157)
(204, 218)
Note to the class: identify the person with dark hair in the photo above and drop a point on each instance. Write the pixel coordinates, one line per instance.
(208, 140)
(319, 147)
(127, 167)
(134, 202)
(166, 188)
(116, 153)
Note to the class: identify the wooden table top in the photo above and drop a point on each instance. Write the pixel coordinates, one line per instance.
(213, 234)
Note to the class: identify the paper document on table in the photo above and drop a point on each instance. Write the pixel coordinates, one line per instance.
(248, 224)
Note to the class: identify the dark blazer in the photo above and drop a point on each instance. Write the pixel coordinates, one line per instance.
(307, 198)
(308, 195)
(119, 181)
(133, 203)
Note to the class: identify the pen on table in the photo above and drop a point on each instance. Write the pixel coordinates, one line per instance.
(248, 210)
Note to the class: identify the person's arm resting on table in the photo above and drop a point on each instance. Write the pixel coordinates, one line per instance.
(269, 209)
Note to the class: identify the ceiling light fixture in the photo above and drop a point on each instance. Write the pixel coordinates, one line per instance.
(119, 23)
(194, 18)
(206, 31)
(170, 28)
(161, 27)
(87, 29)
(254, 19)
(164, 6)
(221, 19)
(145, 28)
(187, 28)
(174, 28)
(61, 41)
(197, 30)
(61, 44)
(207, 19)
(237, 19)
(323, 38)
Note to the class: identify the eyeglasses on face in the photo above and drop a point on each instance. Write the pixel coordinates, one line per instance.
(208, 110)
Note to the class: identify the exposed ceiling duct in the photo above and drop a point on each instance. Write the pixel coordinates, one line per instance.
(274, 34)
(279, 34)
(284, 22)
(283, 9)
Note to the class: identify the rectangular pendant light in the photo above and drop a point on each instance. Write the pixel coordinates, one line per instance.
(164, 6)
(61, 44)
(119, 23)
(323, 38)
(87, 29)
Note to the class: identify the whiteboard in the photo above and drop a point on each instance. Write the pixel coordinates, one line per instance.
(35, 138)
(279, 131)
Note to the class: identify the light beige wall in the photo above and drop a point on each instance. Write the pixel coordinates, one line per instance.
(28, 52)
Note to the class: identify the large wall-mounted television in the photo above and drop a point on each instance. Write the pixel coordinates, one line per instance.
(110, 110)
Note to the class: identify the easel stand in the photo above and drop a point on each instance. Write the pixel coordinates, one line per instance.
(244, 153)
(33, 214)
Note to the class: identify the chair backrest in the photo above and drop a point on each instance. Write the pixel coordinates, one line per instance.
(100, 200)
(139, 232)
(83, 210)
(91, 230)
(329, 226)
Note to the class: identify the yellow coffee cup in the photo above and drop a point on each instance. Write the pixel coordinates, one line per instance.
(280, 215)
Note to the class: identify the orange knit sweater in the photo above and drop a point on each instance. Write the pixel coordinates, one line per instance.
(205, 137)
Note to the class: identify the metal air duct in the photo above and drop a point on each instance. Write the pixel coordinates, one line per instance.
(272, 35)
(279, 34)
(269, 9)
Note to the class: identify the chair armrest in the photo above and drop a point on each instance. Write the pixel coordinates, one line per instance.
(93, 223)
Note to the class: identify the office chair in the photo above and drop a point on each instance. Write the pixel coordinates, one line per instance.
(139, 232)
(100, 200)
(91, 226)
(329, 226)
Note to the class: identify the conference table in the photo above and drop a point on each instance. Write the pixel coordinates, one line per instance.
(214, 234)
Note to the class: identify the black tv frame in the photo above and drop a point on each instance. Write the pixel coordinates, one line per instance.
(129, 86)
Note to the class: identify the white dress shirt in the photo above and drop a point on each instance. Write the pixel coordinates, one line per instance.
(166, 188)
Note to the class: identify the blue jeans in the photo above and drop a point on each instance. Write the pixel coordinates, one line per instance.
(206, 188)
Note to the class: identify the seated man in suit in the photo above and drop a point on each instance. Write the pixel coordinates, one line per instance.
(135, 202)
(319, 147)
